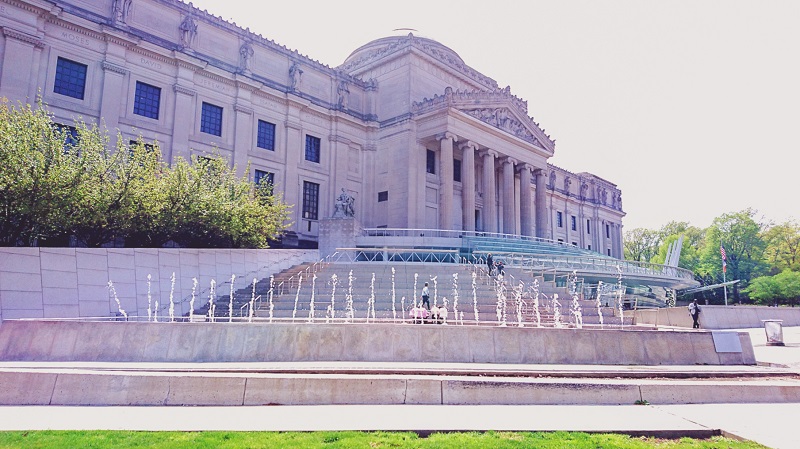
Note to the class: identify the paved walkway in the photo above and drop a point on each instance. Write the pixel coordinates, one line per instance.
(768, 424)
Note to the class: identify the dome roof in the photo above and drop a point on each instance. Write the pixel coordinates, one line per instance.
(386, 44)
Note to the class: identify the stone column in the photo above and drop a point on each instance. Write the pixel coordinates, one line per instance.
(525, 218)
(446, 180)
(18, 63)
(489, 194)
(110, 104)
(468, 186)
(509, 212)
(184, 123)
(242, 137)
(541, 203)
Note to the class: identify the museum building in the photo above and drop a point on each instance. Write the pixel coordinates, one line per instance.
(413, 134)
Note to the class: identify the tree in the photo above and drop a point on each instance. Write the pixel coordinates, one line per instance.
(640, 244)
(783, 246)
(740, 235)
(690, 248)
(783, 288)
(59, 184)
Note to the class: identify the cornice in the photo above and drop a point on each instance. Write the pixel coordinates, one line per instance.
(183, 90)
(152, 55)
(25, 6)
(23, 37)
(76, 28)
(109, 67)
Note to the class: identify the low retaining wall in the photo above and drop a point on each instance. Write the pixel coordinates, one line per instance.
(73, 282)
(276, 342)
(719, 317)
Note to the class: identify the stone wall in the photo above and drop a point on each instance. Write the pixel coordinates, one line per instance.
(73, 282)
(378, 342)
(720, 317)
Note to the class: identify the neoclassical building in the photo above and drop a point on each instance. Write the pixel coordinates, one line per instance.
(404, 125)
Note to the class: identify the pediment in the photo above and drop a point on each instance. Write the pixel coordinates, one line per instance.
(505, 119)
(497, 108)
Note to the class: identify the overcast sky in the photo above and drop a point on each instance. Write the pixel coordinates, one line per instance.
(691, 107)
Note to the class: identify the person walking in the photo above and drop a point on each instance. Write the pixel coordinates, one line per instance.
(694, 311)
(489, 263)
(425, 297)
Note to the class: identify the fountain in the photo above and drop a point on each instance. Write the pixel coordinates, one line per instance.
(211, 306)
(535, 296)
(351, 313)
(475, 297)
(191, 302)
(518, 298)
(455, 295)
(332, 306)
(172, 298)
(311, 302)
(435, 289)
(371, 300)
(297, 296)
(230, 302)
(119, 306)
(394, 311)
(620, 291)
(252, 301)
(599, 303)
(149, 299)
(575, 307)
(271, 290)
(556, 311)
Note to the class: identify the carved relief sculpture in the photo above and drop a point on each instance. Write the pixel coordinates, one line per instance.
(245, 56)
(295, 76)
(343, 91)
(122, 9)
(188, 31)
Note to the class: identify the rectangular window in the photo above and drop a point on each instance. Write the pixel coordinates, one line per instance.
(310, 200)
(383, 196)
(608, 232)
(559, 219)
(588, 226)
(146, 100)
(70, 78)
(574, 223)
(574, 243)
(266, 135)
(312, 148)
(211, 119)
(456, 170)
(263, 178)
(589, 247)
(608, 251)
(430, 162)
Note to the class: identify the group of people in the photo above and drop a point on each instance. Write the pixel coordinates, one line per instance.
(425, 313)
(494, 267)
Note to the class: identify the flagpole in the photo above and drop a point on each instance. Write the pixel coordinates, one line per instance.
(725, 287)
(724, 269)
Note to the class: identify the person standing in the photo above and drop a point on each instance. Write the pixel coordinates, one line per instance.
(425, 297)
(489, 263)
(694, 311)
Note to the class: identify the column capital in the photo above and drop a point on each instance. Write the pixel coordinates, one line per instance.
(524, 166)
(509, 160)
(447, 135)
(489, 152)
(468, 144)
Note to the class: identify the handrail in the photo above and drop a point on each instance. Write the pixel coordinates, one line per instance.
(448, 233)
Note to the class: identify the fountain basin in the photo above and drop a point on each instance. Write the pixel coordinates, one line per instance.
(53, 340)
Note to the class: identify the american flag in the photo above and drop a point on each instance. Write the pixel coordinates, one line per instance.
(724, 258)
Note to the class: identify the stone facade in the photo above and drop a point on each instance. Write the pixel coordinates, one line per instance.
(417, 137)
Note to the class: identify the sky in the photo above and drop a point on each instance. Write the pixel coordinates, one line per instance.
(691, 107)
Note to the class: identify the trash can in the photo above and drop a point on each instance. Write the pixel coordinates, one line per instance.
(774, 330)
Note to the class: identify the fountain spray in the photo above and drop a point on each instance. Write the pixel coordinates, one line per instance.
(230, 303)
(297, 296)
(252, 302)
(119, 306)
(171, 298)
(475, 297)
(149, 299)
(311, 303)
(191, 301)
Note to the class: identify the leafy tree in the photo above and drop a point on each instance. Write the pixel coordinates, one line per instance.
(641, 244)
(693, 240)
(783, 288)
(783, 246)
(740, 234)
(56, 185)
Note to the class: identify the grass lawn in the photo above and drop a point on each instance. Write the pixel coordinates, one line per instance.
(255, 440)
